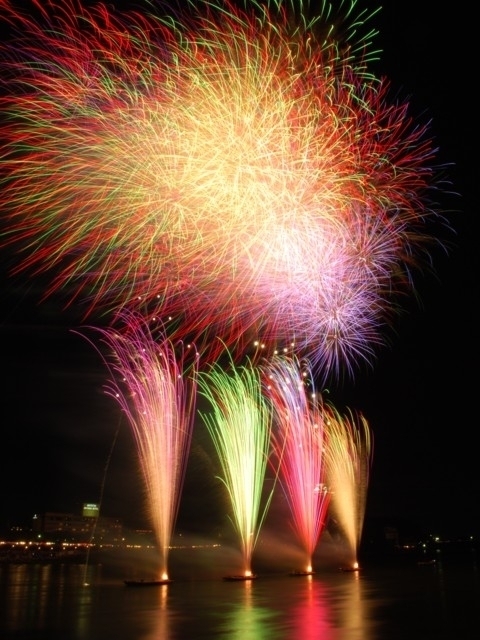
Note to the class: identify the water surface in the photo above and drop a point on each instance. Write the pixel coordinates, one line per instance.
(381, 602)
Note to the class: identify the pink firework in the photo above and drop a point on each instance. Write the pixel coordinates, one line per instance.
(238, 170)
(298, 449)
(155, 385)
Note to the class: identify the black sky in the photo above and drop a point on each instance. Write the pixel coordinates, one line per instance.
(420, 398)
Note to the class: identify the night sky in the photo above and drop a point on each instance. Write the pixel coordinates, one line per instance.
(60, 431)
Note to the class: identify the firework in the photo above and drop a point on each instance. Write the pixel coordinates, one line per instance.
(298, 449)
(349, 457)
(156, 388)
(240, 424)
(239, 169)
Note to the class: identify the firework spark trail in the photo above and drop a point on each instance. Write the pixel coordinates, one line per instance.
(239, 424)
(240, 167)
(349, 456)
(155, 385)
(298, 449)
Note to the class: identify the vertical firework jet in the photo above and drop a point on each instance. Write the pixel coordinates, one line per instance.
(239, 168)
(240, 425)
(349, 456)
(298, 449)
(155, 384)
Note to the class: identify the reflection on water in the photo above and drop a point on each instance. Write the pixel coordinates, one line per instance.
(51, 602)
(356, 618)
(160, 617)
(247, 619)
(312, 616)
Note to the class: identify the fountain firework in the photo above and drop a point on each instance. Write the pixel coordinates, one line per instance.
(240, 426)
(239, 168)
(349, 458)
(155, 384)
(298, 449)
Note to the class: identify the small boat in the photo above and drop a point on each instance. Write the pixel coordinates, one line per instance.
(430, 562)
(239, 577)
(353, 568)
(301, 573)
(146, 583)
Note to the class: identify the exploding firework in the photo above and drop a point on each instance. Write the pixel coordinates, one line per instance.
(349, 457)
(240, 425)
(298, 449)
(238, 168)
(155, 385)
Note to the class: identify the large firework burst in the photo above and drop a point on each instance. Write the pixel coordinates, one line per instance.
(239, 168)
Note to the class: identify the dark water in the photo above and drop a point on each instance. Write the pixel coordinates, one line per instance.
(404, 601)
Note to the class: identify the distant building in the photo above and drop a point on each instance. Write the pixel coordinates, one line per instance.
(91, 510)
(391, 535)
(87, 527)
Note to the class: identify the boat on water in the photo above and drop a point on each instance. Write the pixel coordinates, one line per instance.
(430, 562)
(146, 583)
(301, 573)
(239, 578)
